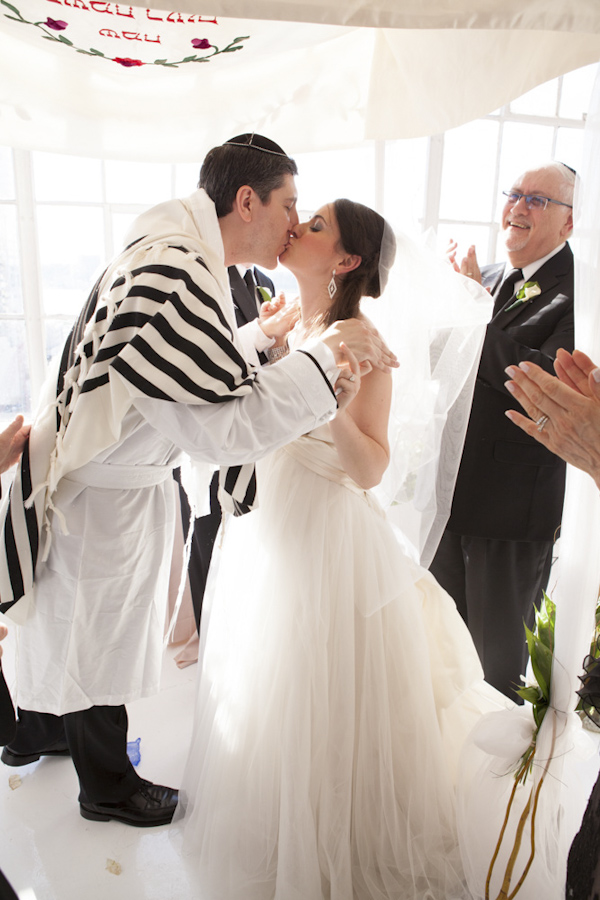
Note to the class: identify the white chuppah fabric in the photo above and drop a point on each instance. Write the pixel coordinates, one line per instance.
(583, 16)
(101, 78)
(497, 744)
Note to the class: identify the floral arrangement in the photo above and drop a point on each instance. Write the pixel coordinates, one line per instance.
(540, 643)
(529, 290)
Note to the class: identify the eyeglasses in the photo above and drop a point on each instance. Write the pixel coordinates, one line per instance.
(532, 201)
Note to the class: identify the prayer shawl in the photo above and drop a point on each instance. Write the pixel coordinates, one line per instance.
(161, 316)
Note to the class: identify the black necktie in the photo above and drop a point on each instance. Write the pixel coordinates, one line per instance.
(251, 285)
(507, 289)
(250, 282)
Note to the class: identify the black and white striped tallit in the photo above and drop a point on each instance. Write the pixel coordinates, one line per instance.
(161, 317)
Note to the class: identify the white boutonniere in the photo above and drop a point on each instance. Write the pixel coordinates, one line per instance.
(529, 290)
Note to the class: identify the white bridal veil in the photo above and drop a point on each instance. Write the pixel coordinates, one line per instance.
(434, 320)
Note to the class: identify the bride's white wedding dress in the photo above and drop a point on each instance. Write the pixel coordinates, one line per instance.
(337, 685)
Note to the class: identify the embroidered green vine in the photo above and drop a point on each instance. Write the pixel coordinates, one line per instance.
(52, 31)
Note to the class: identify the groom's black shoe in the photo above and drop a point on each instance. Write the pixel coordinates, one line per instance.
(152, 804)
(12, 758)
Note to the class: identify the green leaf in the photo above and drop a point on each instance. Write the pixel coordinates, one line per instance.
(189, 59)
(545, 619)
(541, 663)
(231, 49)
(9, 6)
(539, 713)
(65, 40)
(265, 293)
(237, 39)
(546, 634)
(529, 693)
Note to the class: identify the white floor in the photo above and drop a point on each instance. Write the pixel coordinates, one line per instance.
(48, 852)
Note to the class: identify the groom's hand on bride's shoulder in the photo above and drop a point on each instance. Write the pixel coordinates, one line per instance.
(363, 340)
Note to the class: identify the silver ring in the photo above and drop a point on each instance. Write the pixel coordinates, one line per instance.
(541, 422)
(470, 274)
(352, 377)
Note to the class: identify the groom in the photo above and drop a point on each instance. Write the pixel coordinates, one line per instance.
(166, 364)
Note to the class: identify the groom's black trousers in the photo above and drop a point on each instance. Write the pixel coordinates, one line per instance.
(97, 740)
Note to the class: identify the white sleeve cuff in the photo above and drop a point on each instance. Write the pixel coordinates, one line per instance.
(324, 356)
(253, 341)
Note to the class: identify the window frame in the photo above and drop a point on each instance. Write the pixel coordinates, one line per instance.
(429, 217)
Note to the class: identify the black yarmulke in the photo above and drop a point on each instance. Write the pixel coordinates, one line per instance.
(257, 142)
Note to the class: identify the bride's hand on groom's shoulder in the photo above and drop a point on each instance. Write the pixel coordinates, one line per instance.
(347, 385)
(363, 340)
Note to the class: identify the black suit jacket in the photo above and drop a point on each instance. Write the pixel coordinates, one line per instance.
(244, 303)
(509, 487)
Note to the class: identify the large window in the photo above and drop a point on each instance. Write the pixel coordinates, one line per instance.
(62, 217)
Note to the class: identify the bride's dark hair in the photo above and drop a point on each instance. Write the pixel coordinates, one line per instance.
(362, 234)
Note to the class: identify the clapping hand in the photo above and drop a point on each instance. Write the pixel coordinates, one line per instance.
(12, 441)
(562, 413)
(576, 371)
(468, 265)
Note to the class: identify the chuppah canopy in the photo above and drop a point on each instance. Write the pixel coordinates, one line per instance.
(121, 80)
(108, 79)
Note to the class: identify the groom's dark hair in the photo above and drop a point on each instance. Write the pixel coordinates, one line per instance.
(245, 159)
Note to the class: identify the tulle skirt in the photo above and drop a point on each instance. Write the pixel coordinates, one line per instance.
(337, 685)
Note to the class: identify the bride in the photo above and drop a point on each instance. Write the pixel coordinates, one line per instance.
(337, 678)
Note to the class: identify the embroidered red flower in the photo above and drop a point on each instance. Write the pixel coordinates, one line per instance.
(125, 61)
(55, 24)
(201, 44)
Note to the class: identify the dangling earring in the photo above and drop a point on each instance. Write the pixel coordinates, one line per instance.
(332, 286)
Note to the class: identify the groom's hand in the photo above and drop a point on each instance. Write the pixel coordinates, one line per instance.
(363, 340)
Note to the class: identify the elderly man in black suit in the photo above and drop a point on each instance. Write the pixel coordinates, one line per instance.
(495, 555)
